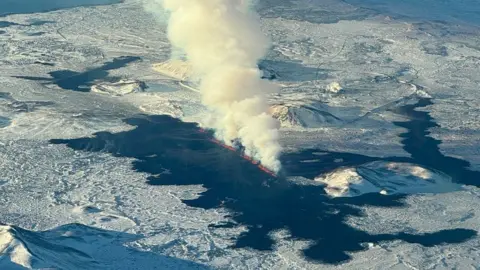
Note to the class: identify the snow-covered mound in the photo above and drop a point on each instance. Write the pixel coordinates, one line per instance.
(41, 250)
(333, 87)
(176, 69)
(302, 115)
(77, 246)
(120, 88)
(387, 178)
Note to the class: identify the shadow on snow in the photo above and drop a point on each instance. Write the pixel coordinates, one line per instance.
(176, 153)
(82, 81)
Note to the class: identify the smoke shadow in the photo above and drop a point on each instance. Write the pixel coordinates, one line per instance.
(82, 81)
(176, 153)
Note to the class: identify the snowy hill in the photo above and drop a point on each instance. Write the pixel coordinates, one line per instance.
(76, 246)
(120, 88)
(387, 178)
(303, 115)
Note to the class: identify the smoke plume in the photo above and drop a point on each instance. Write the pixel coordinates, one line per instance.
(223, 42)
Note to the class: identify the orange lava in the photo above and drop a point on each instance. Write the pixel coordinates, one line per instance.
(251, 160)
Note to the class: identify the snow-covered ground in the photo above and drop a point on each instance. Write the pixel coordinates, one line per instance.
(378, 104)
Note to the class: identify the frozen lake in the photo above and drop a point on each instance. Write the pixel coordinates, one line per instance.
(34, 6)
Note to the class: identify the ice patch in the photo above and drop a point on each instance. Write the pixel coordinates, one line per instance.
(387, 178)
(31, 250)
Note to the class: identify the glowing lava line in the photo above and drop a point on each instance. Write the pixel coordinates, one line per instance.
(248, 158)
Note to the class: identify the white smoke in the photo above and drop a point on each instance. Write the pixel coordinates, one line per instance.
(223, 42)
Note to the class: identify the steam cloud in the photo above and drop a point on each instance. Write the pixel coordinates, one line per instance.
(223, 42)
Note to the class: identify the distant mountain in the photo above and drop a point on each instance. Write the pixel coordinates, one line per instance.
(35, 6)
